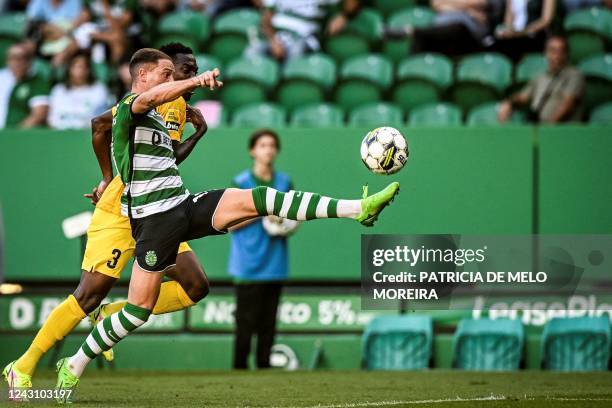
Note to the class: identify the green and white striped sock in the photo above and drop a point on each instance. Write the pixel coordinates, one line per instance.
(302, 206)
(106, 334)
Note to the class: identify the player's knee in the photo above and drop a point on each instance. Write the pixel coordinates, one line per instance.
(198, 290)
(243, 199)
(88, 300)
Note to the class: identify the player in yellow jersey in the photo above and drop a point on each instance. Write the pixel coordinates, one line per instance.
(110, 244)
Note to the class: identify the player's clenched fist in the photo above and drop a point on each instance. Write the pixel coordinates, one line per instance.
(209, 79)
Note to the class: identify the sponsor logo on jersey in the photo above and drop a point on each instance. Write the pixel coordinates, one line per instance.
(172, 115)
(158, 138)
(173, 125)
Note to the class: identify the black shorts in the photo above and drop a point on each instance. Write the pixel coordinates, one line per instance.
(158, 236)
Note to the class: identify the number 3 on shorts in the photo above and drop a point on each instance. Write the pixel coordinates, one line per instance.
(113, 262)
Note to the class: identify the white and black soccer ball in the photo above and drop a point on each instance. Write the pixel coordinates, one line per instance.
(384, 150)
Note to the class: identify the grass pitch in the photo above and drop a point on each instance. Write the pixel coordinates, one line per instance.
(337, 389)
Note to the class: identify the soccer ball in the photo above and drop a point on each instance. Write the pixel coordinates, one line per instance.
(384, 150)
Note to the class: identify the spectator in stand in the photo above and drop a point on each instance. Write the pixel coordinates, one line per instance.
(159, 7)
(58, 12)
(573, 5)
(553, 96)
(50, 22)
(292, 27)
(111, 23)
(124, 84)
(526, 26)
(460, 27)
(216, 7)
(24, 94)
(13, 5)
(258, 256)
(73, 103)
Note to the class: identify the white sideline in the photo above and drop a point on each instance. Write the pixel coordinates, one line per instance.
(445, 400)
(408, 402)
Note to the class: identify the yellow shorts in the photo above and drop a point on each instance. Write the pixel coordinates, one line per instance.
(110, 245)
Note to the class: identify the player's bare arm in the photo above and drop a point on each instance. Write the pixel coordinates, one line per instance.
(183, 149)
(101, 138)
(169, 91)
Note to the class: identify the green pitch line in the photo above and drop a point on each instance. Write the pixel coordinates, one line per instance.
(336, 389)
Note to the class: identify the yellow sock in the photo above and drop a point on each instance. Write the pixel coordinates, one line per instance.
(62, 320)
(171, 298)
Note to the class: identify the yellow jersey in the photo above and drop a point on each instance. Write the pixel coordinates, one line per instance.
(175, 116)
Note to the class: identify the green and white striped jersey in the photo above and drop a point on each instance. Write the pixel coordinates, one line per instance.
(300, 17)
(143, 155)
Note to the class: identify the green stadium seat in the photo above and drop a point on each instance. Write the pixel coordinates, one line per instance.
(602, 115)
(588, 31)
(230, 33)
(318, 68)
(259, 115)
(241, 93)
(486, 114)
(357, 38)
(206, 62)
(188, 27)
(12, 30)
(317, 115)
(364, 79)
(306, 80)
(374, 68)
(12, 25)
(578, 344)
(481, 78)
(417, 17)
(422, 79)
(292, 94)
(376, 114)
(398, 343)
(435, 114)
(528, 68)
(258, 69)
(248, 81)
(412, 16)
(598, 73)
(488, 345)
(238, 20)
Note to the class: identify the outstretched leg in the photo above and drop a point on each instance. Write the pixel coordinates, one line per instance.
(238, 205)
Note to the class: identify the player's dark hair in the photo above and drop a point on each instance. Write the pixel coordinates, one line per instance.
(145, 56)
(81, 54)
(175, 48)
(255, 136)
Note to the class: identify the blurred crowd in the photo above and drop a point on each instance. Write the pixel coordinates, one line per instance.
(79, 39)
